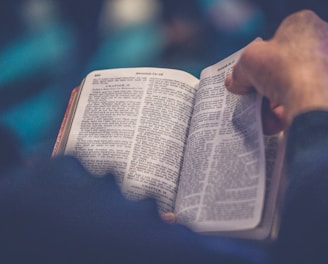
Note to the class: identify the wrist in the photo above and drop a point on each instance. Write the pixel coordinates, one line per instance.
(305, 102)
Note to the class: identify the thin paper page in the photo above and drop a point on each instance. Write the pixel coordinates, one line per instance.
(133, 122)
(223, 176)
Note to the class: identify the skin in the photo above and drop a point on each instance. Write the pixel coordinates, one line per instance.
(291, 69)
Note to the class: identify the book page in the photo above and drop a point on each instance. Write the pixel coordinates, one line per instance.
(274, 192)
(275, 185)
(222, 183)
(133, 122)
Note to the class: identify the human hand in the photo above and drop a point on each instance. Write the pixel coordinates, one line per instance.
(288, 69)
(170, 218)
(273, 118)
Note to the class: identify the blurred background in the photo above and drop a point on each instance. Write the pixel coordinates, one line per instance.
(48, 46)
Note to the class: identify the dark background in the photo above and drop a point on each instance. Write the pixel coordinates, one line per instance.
(47, 47)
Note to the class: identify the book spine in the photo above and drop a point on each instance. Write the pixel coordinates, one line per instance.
(64, 122)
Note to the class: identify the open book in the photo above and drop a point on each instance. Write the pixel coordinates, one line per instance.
(188, 142)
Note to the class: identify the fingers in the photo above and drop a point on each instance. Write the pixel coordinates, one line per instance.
(273, 117)
(240, 80)
(169, 218)
(237, 83)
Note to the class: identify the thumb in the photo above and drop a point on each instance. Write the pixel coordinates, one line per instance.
(237, 81)
(241, 80)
